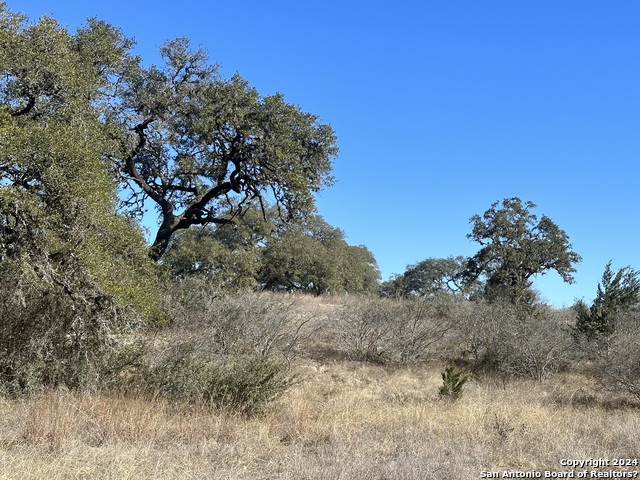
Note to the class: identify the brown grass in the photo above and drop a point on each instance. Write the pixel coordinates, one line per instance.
(345, 421)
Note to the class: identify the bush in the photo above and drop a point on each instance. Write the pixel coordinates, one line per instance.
(501, 339)
(363, 328)
(420, 323)
(246, 384)
(403, 331)
(263, 324)
(223, 350)
(69, 291)
(453, 382)
(617, 364)
(54, 334)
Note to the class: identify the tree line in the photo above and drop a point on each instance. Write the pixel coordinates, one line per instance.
(91, 139)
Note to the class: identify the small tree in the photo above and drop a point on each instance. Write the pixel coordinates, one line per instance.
(616, 293)
(453, 382)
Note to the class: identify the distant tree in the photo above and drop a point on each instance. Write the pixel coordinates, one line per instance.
(312, 256)
(262, 251)
(515, 247)
(617, 293)
(359, 268)
(200, 147)
(227, 255)
(198, 251)
(429, 277)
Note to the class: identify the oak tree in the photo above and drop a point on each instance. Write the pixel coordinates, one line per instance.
(72, 270)
(201, 147)
(429, 277)
(313, 256)
(516, 246)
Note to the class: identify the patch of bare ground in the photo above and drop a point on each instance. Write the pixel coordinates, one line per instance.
(345, 420)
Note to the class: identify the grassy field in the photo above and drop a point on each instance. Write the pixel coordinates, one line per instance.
(343, 420)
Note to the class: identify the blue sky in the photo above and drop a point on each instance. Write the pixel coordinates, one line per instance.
(440, 108)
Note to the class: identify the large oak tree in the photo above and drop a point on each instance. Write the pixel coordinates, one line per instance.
(73, 272)
(516, 246)
(201, 146)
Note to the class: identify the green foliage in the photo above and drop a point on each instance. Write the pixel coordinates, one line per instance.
(430, 277)
(312, 256)
(309, 256)
(74, 274)
(201, 147)
(228, 255)
(246, 384)
(227, 351)
(617, 293)
(199, 252)
(453, 382)
(515, 247)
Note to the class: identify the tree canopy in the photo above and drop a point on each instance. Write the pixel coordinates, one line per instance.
(429, 277)
(201, 146)
(72, 270)
(515, 247)
(306, 255)
(616, 293)
(312, 256)
(178, 135)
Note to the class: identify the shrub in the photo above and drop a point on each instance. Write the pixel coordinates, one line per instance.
(380, 330)
(57, 334)
(420, 323)
(617, 366)
(223, 350)
(363, 327)
(263, 324)
(617, 293)
(501, 339)
(246, 384)
(453, 382)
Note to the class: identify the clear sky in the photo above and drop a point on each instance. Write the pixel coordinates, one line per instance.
(440, 108)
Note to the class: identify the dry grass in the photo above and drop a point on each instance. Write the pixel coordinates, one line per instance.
(345, 421)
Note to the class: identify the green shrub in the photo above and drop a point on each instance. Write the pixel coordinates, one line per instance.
(617, 293)
(246, 384)
(453, 382)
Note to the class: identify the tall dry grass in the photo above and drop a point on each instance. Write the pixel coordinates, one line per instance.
(346, 420)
